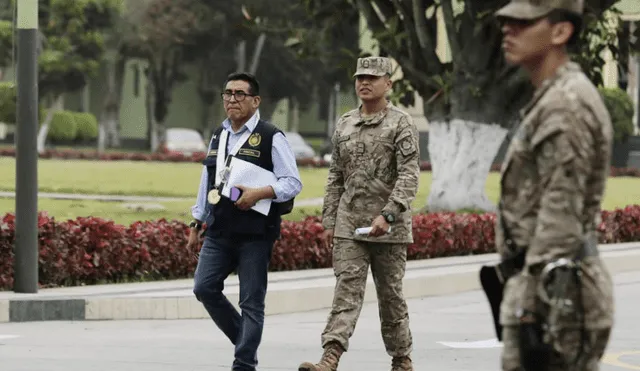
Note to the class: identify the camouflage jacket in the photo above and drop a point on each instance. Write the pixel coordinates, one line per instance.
(552, 185)
(374, 167)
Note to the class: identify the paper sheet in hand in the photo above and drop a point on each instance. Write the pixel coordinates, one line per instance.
(247, 174)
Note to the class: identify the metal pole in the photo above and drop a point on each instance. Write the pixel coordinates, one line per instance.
(26, 246)
(638, 94)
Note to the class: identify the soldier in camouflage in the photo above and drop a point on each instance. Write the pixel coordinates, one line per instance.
(372, 181)
(552, 184)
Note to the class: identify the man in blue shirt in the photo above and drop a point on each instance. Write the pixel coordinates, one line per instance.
(238, 238)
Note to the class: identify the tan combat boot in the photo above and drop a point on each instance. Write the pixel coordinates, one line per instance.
(401, 364)
(329, 360)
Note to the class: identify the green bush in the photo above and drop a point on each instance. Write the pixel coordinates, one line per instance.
(620, 106)
(63, 127)
(87, 125)
(6, 43)
(7, 103)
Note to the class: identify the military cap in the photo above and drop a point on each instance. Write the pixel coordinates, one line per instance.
(532, 9)
(375, 66)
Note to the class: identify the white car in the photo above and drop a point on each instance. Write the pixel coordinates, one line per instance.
(185, 141)
(301, 149)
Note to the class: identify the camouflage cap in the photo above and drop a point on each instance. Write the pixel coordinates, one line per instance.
(531, 9)
(375, 66)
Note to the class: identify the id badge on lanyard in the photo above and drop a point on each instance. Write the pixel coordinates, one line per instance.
(223, 162)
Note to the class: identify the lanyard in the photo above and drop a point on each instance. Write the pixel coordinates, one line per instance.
(222, 145)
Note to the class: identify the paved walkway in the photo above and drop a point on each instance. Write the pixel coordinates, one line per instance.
(119, 198)
(450, 333)
(289, 292)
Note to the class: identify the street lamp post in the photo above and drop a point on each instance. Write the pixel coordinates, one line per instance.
(26, 242)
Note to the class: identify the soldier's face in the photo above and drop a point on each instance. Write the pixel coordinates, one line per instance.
(372, 87)
(527, 42)
(238, 104)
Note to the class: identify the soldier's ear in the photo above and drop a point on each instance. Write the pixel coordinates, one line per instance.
(561, 33)
(388, 81)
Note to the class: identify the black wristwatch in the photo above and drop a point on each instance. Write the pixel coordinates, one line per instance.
(195, 224)
(389, 217)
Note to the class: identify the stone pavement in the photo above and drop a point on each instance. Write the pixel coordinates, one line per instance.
(450, 332)
(288, 292)
(122, 198)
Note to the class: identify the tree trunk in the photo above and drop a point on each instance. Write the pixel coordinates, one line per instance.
(109, 133)
(293, 115)
(152, 134)
(208, 91)
(461, 153)
(58, 105)
(267, 107)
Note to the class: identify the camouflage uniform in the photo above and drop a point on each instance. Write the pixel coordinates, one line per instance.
(374, 167)
(553, 180)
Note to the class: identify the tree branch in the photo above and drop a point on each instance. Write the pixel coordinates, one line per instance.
(413, 44)
(418, 8)
(374, 22)
(452, 33)
(426, 39)
(420, 79)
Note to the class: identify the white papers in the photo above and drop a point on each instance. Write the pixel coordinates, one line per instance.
(247, 174)
(366, 230)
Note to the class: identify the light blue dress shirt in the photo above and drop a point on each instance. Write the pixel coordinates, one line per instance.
(285, 167)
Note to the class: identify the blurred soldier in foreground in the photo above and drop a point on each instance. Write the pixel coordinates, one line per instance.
(372, 181)
(557, 311)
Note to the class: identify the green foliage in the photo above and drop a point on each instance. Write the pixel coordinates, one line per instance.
(74, 45)
(6, 43)
(598, 35)
(476, 83)
(87, 125)
(72, 41)
(8, 104)
(317, 54)
(620, 106)
(63, 126)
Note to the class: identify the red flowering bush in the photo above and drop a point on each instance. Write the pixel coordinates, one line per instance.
(92, 250)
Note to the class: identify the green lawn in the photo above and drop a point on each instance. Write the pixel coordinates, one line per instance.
(181, 179)
(129, 178)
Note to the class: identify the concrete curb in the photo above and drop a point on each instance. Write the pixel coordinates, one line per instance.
(288, 293)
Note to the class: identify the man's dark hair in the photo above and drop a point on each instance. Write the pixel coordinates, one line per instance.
(254, 85)
(561, 15)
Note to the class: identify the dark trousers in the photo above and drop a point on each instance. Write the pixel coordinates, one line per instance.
(219, 257)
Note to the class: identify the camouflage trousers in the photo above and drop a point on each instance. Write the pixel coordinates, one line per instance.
(351, 262)
(567, 347)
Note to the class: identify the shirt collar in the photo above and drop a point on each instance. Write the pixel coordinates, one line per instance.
(250, 124)
(373, 119)
(568, 67)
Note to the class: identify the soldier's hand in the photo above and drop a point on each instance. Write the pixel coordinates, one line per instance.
(379, 227)
(327, 238)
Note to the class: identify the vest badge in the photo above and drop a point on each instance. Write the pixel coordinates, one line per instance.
(255, 139)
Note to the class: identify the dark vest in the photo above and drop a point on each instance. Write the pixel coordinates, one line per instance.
(224, 218)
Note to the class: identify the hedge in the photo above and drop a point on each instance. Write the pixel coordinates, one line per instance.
(92, 250)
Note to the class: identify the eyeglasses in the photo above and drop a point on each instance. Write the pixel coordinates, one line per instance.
(240, 95)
